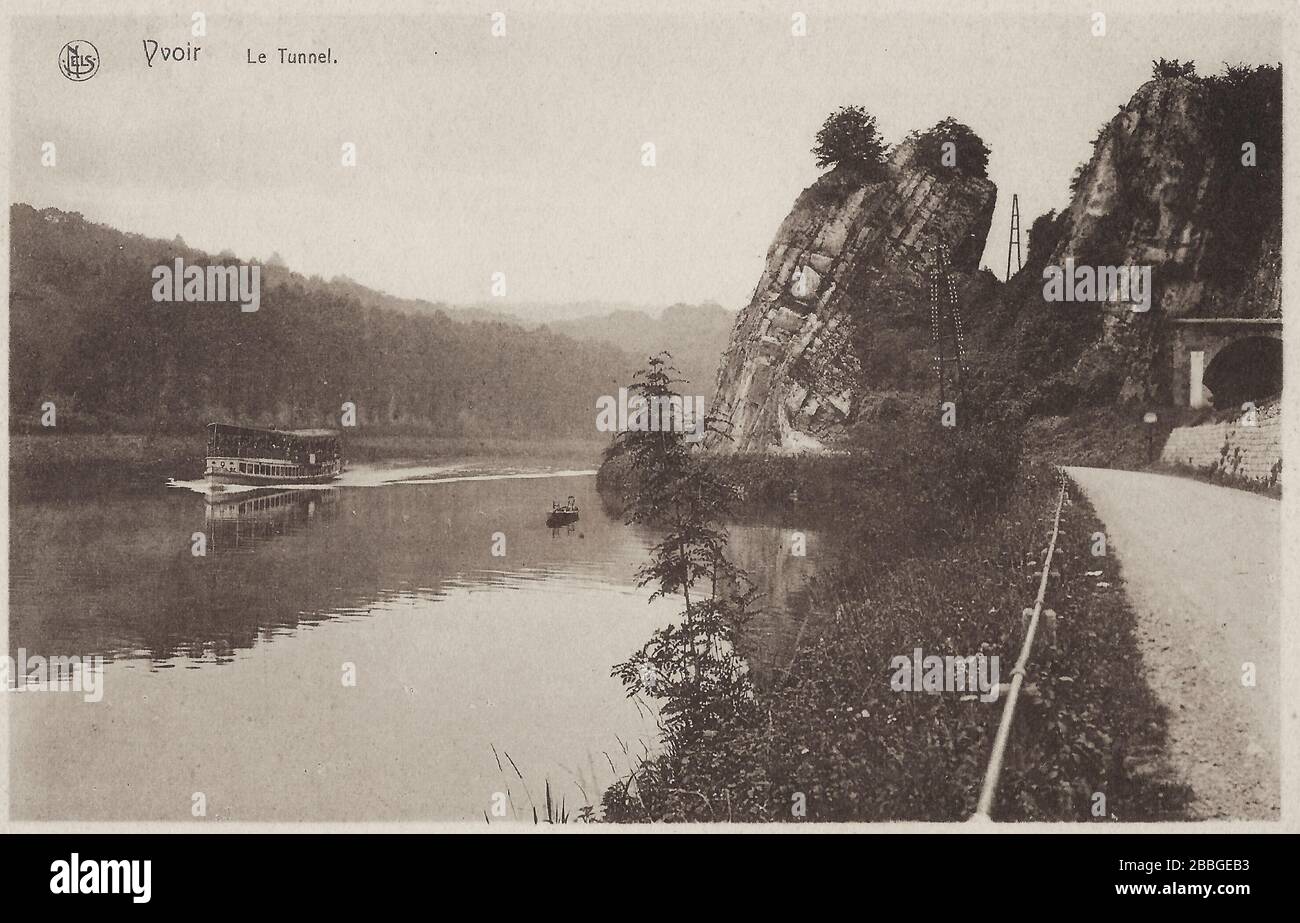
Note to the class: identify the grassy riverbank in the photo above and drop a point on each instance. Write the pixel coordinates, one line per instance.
(834, 742)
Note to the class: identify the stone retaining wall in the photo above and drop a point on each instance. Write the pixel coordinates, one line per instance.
(1232, 448)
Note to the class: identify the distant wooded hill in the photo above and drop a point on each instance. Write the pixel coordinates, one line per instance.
(86, 334)
(696, 335)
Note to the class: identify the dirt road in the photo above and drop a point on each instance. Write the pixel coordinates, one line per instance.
(1202, 567)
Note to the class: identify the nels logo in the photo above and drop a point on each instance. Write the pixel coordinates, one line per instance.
(79, 60)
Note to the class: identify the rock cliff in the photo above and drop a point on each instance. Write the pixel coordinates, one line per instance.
(1166, 187)
(1184, 179)
(790, 377)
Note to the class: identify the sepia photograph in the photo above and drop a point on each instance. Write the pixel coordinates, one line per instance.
(625, 417)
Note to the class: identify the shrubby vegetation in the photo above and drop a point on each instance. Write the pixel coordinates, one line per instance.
(836, 732)
(1246, 105)
(849, 137)
(1045, 233)
(941, 536)
(970, 154)
(1171, 68)
(763, 485)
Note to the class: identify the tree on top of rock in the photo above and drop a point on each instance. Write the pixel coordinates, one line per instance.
(967, 154)
(849, 137)
(1172, 67)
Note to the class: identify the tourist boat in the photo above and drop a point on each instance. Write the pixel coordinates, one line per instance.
(562, 515)
(243, 455)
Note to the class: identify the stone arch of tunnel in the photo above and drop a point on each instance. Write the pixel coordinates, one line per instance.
(1244, 369)
(1196, 344)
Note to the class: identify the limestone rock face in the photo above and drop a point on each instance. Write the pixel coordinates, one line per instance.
(1165, 189)
(1154, 194)
(790, 377)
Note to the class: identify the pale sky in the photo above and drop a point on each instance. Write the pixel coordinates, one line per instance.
(522, 154)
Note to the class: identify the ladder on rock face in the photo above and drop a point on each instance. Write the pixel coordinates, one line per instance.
(945, 326)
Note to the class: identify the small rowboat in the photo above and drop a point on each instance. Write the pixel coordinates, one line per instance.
(562, 515)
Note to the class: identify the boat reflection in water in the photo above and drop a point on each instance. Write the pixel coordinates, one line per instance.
(568, 529)
(235, 520)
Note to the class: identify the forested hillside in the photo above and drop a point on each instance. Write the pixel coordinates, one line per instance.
(86, 334)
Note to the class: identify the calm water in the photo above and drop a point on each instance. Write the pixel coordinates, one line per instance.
(224, 672)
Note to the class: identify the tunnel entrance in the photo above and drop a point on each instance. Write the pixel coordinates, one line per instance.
(1246, 370)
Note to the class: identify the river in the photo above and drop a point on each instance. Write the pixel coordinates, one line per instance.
(406, 644)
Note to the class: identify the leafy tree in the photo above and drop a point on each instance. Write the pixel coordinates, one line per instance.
(849, 137)
(691, 665)
(970, 154)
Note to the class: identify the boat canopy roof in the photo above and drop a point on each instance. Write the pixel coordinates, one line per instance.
(225, 434)
(245, 432)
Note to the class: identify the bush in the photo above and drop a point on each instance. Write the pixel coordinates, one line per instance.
(1044, 234)
(969, 155)
(1054, 396)
(1166, 68)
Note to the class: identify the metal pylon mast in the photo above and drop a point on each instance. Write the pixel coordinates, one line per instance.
(1013, 242)
(945, 326)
